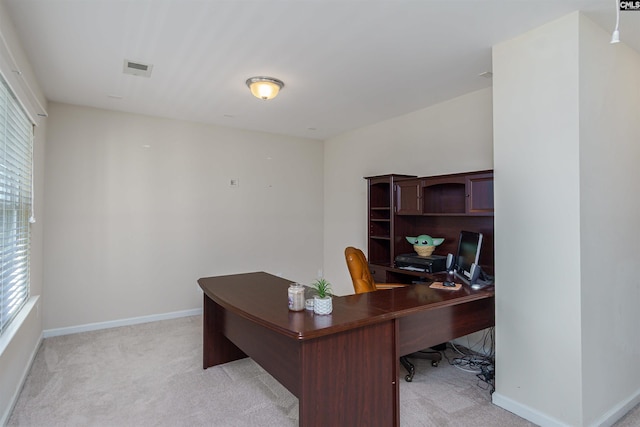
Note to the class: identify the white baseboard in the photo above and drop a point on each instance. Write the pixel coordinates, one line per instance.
(117, 323)
(526, 412)
(606, 420)
(614, 414)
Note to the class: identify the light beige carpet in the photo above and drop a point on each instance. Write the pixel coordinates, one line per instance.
(151, 375)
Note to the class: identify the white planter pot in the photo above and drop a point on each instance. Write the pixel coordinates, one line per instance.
(322, 305)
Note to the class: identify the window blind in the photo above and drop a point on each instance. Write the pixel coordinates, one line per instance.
(16, 151)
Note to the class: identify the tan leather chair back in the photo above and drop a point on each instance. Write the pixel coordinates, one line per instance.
(359, 270)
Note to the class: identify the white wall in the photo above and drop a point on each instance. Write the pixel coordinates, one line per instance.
(564, 163)
(130, 229)
(19, 344)
(610, 230)
(537, 190)
(454, 136)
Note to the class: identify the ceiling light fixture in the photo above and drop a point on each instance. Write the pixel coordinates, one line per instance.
(615, 37)
(264, 87)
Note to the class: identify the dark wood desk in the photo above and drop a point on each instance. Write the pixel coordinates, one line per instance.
(342, 367)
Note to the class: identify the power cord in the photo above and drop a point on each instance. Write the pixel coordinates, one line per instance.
(477, 358)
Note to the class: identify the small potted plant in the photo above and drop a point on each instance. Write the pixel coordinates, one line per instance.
(322, 302)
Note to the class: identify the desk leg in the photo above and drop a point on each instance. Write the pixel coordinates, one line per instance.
(351, 378)
(216, 348)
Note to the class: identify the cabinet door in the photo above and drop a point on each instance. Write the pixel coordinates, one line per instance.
(408, 197)
(480, 194)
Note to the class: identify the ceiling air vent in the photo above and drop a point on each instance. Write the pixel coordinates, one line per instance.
(137, 68)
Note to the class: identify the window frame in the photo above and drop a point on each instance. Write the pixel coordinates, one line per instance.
(16, 203)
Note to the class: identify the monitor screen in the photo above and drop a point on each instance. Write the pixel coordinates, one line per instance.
(468, 253)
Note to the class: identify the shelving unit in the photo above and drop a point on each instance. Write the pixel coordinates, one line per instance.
(380, 218)
(441, 206)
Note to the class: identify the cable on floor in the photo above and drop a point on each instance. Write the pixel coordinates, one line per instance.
(477, 358)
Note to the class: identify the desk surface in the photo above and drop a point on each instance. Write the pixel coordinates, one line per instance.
(359, 344)
(262, 297)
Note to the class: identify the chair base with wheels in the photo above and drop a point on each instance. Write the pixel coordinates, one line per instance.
(434, 355)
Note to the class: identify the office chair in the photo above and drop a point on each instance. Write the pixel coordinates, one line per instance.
(363, 282)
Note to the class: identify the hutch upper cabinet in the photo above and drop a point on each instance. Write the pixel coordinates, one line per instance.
(459, 194)
(440, 206)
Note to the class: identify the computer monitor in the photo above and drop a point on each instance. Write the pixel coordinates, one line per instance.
(468, 254)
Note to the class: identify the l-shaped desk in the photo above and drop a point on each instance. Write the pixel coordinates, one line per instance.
(343, 367)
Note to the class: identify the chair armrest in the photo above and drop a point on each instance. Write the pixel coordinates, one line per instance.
(390, 285)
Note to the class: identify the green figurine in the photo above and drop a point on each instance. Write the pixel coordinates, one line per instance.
(425, 240)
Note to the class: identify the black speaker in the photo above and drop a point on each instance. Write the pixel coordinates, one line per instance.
(450, 259)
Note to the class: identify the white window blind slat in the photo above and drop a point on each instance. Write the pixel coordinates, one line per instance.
(16, 151)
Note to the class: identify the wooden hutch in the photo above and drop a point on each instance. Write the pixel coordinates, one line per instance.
(440, 206)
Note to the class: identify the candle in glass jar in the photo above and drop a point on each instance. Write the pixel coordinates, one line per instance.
(296, 297)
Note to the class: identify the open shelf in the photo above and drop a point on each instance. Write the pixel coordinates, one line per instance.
(446, 198)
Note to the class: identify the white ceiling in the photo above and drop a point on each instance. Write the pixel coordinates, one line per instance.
(345, 63)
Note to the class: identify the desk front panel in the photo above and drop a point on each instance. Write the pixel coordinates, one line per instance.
(347, 378)
(278, 354)
(431, 327)
(350, 378)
